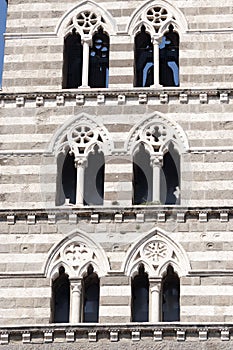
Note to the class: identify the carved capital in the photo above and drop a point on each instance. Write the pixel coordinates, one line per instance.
(156, 161)
(80, 163)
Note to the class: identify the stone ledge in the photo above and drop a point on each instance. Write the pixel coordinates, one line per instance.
(82, 97)
(158, 332)
(117, 214)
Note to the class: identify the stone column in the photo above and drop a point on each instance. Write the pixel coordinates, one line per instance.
(156, 163)
(86, 42)
(75, 300)
(156, 41)
(80, 165)
(155, 307)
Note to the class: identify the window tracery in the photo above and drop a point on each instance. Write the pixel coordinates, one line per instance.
(90, 49)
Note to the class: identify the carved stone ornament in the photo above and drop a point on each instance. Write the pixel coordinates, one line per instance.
(155, 251)
(77, 253)
(85, 22)
(156, 17)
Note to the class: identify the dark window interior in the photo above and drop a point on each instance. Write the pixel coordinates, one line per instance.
(171, 296)
(61, 297)
(142, 177)
(69, 178)
(73, 56)
(170, 177)
(143, 51)
(94, 179)
(140, 296)
(169, 59)
(99, 61)
(91, 296)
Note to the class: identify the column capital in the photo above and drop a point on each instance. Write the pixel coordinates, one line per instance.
(80, 162)
(156, 160)
(76, 284)
(156, 39)
(155, 284)
(86, 38)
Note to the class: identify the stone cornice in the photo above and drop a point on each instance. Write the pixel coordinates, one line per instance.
(134, 332)
(119, 96)
(119, 214)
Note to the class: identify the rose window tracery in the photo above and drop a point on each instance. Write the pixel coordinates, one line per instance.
(155, 251)
(82, 135)
(87, 20)
(157, 15)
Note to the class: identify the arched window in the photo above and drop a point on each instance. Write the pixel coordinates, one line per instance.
(142, 176)
(140, 296)
(170, 177)
(94, 178)
(73, 61)
(169, 59)
(69, 178)
(91, 296)
(99, 60)
(143, 55)
(170, 293)
(61, 297)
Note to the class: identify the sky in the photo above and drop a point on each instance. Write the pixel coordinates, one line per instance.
(2, 30)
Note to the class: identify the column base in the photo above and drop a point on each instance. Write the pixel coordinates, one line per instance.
(156, 86)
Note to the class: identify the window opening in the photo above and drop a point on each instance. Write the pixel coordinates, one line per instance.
(143, 52)
(91, 296)
(140, 296)
(99, 61)
(169, 59)
(73, 57)
(142, 176)
(171, 296)
(69, 178)
(61, 297)
(94, 178)
(170, 177)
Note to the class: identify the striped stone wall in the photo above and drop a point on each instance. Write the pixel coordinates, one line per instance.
(34, 48)
(29, 168)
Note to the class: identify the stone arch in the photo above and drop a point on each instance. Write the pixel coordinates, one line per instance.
(62, 140)
(75, 253)
(108, 23)
(174, 133)
(174, 17)
(156, 251)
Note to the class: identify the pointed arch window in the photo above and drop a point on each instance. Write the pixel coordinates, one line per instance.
(99, 60)
(142, 176)
(61, 297)
(156, 49)
(143, 56)
(170, 293)
(73, 61)
(91, 296)
(156, 169)
(169, 58)
(140, 296)
(86, 52)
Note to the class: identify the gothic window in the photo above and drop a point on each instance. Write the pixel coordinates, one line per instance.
(99, 60)
(170, 175)
(140, 296)
(86, 52)
(142, 177)
(156, 49)
(61, 297)
(73, 56)
(94, 178)
(143, 59)
(69, 178)
(91, 296)
(169, 59)
(170, 296)
(156, 167)
(81, 167)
